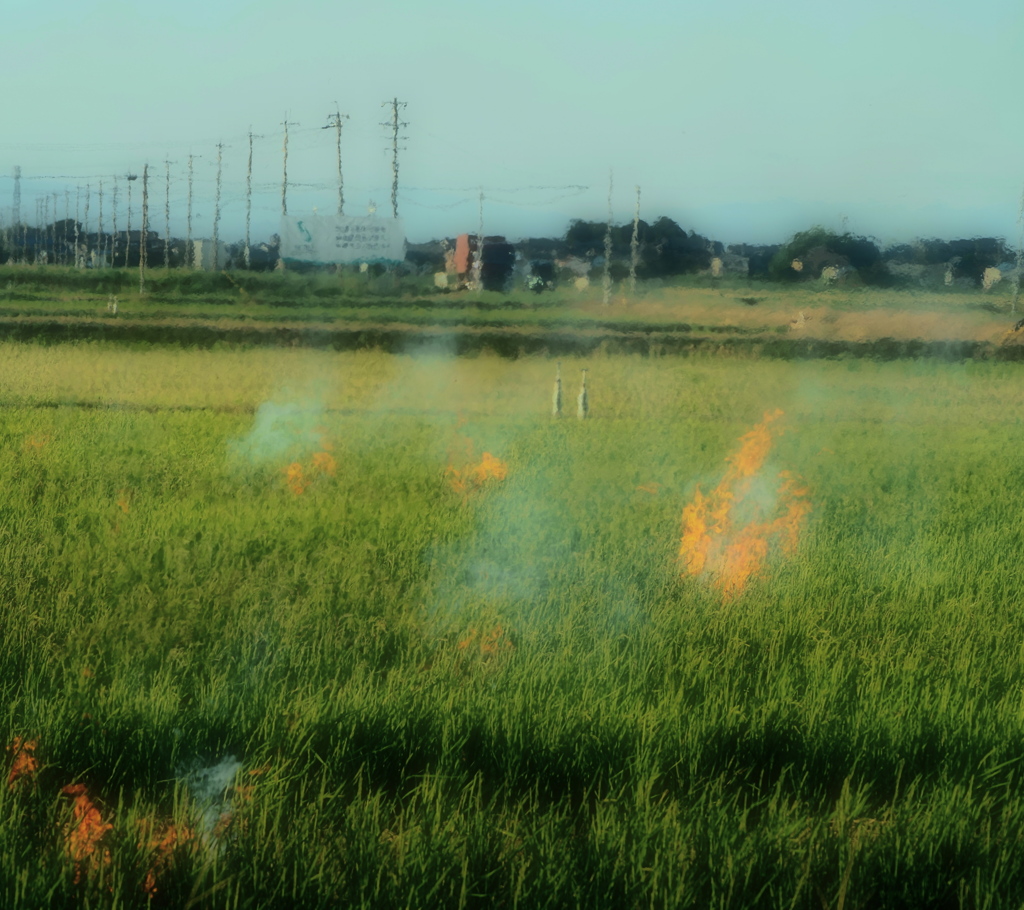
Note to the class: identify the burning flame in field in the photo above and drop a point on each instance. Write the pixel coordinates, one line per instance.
(731, 555)
(161, 842)
(472, 477)
(487, 644)
(25, 764)
(299, 477)
(84, 835)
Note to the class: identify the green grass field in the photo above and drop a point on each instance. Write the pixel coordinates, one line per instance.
(383, 692)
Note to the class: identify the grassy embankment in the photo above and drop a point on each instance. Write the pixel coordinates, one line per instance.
(507, 696)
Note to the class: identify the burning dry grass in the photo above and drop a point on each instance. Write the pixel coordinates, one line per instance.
(86, 833)
(90, 840)
(723, 734)
(299, 477)
(485, 644)
(470, 478)
(162, 842)
(728, 534)
(24, 764)
(472, 475)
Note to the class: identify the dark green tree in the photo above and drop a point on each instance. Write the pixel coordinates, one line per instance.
(819, 246)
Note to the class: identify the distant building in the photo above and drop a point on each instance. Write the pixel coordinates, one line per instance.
(203, 255)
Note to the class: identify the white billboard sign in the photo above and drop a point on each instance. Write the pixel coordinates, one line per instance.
(342, 239)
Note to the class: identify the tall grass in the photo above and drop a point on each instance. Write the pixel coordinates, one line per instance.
(846, 732)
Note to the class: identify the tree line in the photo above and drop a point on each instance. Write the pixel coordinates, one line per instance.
(658, 249)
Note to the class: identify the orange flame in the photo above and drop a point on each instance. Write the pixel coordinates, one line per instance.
(232, 818)
(86, 832)
(161, 843)
(732, 557)
(324, 463)
(472, 477)
(487, 644)
(298, 480)
(25, 764)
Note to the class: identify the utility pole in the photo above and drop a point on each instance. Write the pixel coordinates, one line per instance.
(128, 229)
(634, 246)
(167, 215)
(100, 242)
(478, 258)
(284, 176)
(216, 212)
(18, 229)
(16, 206)
(248, 200)
(335, 121)
(85, 222)
(190, 256)
(395, 125)
(145, 229)
(67, 216)
(607, 283)
(113, 228)
(52, 229)
(78, 215)
(1020, 257)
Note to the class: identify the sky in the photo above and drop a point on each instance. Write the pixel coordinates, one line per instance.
(742, 120)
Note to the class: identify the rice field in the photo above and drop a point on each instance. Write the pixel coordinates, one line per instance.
(286, 628)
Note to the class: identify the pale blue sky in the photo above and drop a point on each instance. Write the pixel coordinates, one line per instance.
(743, 120)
